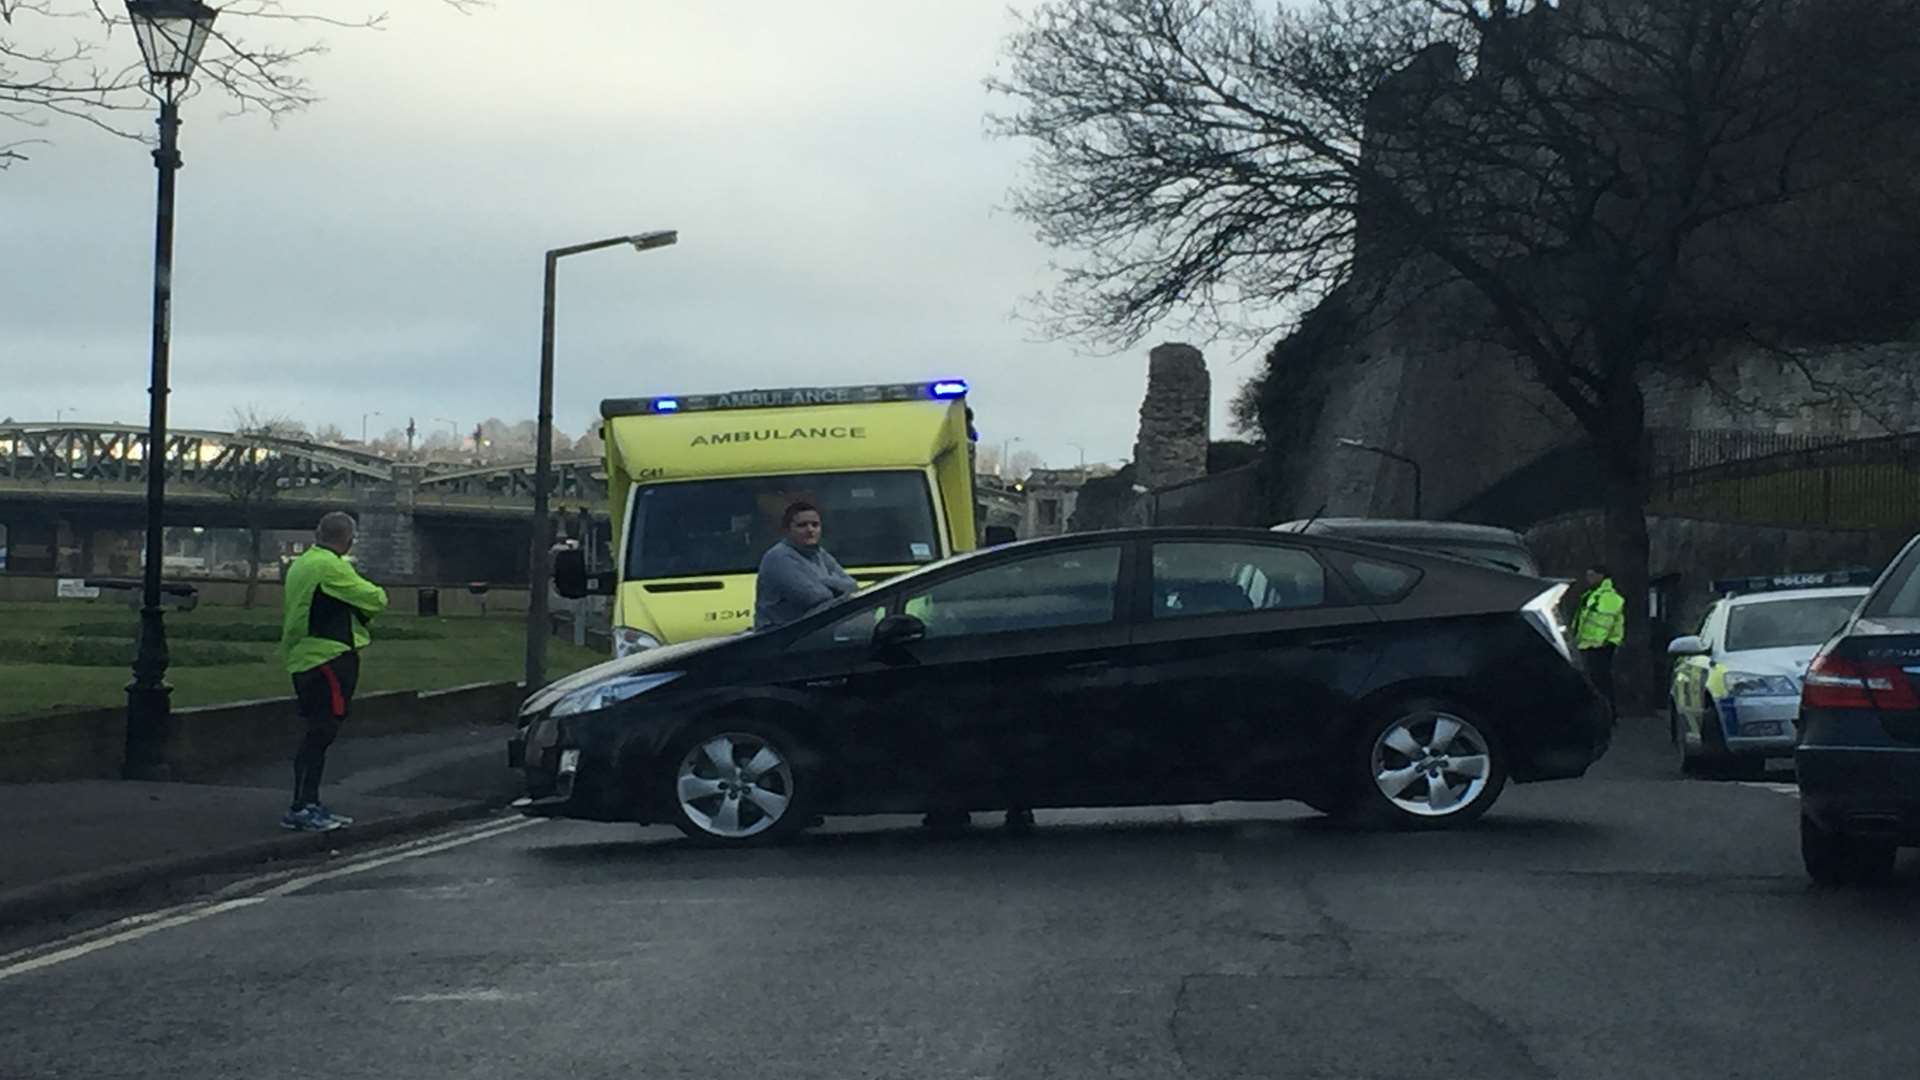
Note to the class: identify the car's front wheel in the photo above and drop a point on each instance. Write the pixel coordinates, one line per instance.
(1428, 764)
(737, 782)
(1834, 858)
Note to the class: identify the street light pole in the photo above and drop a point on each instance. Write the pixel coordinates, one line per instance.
(1083, 454)
(540, 559)
(1356, 444)
(363, 425)
(171, 35)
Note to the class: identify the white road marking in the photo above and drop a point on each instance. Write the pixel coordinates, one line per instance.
(75, 952)
(365, 865)
(481, 994)
(135, 927)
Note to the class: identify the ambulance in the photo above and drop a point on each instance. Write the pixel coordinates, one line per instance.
(697, 484)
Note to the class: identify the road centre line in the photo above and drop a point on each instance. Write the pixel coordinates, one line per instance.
(135, 927)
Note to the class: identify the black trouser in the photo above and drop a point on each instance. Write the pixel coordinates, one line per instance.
(324, 694)
(1600, 670)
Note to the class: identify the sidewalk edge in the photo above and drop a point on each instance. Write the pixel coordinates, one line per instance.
(76, 892)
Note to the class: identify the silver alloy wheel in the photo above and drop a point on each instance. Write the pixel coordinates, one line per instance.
(734, 785)
(1431, 764)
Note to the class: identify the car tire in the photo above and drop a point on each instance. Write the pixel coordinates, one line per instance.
(1412, 747)
(1836, 859)
(738, 782)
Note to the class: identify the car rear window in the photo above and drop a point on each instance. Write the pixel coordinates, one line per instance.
(1776, 624)
(1898, 597)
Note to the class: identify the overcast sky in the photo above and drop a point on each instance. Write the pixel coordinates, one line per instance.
(825, 163)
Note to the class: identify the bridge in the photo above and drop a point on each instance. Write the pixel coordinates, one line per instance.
(73, 498)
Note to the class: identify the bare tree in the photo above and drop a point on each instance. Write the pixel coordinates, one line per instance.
(252, 478)
(1581, 182)
(76, 60)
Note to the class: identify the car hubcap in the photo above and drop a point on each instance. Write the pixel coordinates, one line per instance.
(1431, 764)
(734, 785)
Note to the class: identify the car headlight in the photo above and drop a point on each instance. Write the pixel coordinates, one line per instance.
(627, 641)
(1745, 684)
(612, 692)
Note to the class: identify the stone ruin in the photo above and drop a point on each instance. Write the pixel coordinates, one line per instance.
(1174, 418)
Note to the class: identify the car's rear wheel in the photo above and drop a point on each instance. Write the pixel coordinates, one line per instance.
(1428, 764)
(736, 782)
(1834, 858)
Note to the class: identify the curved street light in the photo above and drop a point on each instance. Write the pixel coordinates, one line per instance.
(540, 559)
(1356, 444)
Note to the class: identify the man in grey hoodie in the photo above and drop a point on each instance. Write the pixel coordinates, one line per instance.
(797, 575)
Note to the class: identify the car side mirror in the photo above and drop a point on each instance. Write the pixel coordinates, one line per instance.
(997, 535)
(1691, 645)
(570, 577)
(897, 632)
(570, 572)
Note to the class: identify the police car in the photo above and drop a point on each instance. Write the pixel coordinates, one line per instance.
(1736, 684)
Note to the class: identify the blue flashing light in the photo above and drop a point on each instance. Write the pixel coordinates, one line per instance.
(666, 404)
(950, 388)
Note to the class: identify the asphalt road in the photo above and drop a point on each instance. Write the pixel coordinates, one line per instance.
(1629, 925)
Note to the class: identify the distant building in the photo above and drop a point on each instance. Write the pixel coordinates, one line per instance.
(1051, 496)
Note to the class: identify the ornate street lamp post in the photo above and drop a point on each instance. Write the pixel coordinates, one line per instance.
(171, 34)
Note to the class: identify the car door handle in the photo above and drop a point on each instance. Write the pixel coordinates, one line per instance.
(1333, 642)
(819, 684)
(1090, 665)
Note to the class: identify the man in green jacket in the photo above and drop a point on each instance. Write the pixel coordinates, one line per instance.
(1601, 628)
(328, 607)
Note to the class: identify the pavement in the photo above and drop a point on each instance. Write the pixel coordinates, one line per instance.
(1629, 924)
(76, 845)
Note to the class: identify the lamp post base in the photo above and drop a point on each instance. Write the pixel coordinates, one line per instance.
(149, 704)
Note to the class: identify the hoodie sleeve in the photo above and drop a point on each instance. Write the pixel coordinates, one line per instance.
(342, 582)
(838, 579)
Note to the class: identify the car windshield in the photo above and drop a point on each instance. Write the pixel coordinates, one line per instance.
(1778, 624)
(724, 526)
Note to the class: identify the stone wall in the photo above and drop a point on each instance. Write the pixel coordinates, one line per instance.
(202, 742)
(1472, 414)
(1175, 418)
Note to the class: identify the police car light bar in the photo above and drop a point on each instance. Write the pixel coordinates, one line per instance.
(940, 390)
(1828, 579)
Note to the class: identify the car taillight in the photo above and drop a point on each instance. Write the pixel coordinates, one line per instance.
(1837, 683)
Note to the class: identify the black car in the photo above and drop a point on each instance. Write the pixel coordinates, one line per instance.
(1143, 667)
(1859, 753)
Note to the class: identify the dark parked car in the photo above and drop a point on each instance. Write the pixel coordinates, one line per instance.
(1489, 544)
(1859, 751)
(1110, 669)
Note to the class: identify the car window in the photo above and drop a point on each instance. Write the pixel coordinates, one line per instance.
(1213, 579)
(1898, 597)
(1774, 624)
(1076, 587)
(1381, 582)
(855, 629)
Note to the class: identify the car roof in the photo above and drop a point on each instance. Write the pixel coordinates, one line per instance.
(1743, 599)
(1403, 527)
(1353, 545)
